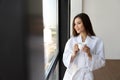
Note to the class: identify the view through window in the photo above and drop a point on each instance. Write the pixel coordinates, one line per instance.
(50, 18)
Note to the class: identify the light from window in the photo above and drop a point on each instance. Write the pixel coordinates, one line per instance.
(50, 18)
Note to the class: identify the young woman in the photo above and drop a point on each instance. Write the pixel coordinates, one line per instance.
(84, 52)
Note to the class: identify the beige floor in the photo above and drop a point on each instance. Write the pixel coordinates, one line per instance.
(111, 71)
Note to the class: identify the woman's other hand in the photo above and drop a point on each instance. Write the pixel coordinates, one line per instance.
(87, 50)
(75, 49)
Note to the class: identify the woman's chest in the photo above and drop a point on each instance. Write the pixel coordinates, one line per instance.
(90, 43)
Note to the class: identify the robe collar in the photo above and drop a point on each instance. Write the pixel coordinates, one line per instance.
(87, 40)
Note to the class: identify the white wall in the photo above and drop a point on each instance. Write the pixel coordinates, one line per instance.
(105, 18)
(76, 7)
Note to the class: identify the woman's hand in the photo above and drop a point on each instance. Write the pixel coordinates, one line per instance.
(87, 50)
(75, 49)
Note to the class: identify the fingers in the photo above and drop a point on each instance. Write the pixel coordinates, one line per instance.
(76, 49)
(76, 46)
(86, 48)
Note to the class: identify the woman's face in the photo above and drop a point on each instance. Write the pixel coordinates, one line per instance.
(79, 27)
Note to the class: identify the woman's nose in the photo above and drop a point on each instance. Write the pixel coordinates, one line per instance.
(76, 25)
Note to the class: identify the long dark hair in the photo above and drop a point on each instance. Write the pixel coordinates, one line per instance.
(86, 22)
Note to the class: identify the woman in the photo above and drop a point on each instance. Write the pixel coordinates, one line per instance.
(84, 52)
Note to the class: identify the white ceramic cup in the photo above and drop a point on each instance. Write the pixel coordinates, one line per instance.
(81, 45)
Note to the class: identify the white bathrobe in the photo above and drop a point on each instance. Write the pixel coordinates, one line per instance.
(81, 68)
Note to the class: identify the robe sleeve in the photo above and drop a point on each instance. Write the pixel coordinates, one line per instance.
(67, 53)
(98, 59)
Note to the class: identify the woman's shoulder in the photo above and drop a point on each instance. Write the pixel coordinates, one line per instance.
(97, 38)
(72, 38)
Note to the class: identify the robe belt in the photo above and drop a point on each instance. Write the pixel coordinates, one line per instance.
(83, 71)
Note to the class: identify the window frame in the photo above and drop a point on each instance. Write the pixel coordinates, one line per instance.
(63, 36)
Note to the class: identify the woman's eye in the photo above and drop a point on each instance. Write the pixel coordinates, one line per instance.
(79, 22)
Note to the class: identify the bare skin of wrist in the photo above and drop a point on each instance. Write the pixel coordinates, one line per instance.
(72, 57)
(90, 56)
(75, 49)
(87, 50)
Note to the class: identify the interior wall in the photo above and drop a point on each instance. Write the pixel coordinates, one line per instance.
(76, 7)
(12, 40)
(36, 46)
(35, 7)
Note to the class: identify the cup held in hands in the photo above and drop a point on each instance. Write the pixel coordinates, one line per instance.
(81, 45)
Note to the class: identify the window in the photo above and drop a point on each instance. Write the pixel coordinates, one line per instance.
(50, 21)
(55, 73)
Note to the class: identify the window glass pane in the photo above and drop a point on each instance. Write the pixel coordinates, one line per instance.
(55, 73)
(50, 18)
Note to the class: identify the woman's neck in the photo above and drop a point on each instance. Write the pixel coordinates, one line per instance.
(83, 36)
